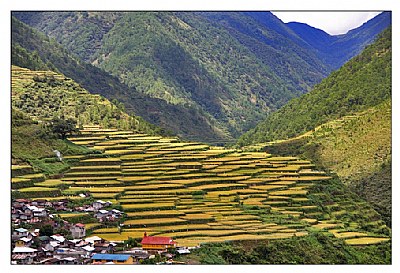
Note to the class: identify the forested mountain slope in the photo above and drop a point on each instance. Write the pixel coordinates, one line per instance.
(363, 82)
(234, 67)
(33, 50)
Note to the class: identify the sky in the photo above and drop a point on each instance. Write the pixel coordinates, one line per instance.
(334, 23)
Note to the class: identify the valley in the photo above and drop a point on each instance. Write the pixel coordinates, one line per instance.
(223, 72)
(230, 137)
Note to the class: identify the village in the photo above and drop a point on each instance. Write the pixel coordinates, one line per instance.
(39, 236)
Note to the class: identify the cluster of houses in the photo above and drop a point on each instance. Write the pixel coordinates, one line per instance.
(56, 249)
(29, 246)
(27, 211)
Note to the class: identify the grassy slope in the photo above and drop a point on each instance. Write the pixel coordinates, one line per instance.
(357, 148)
(317, 248)
(45, 95)
(363, 82)
(31, 142)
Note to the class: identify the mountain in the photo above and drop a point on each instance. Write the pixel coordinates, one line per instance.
(357, 39)
(362, 82)
(82, 42)
(330, 48)
(271, 42)
(232, 67)
(34, 50)
(343, 125)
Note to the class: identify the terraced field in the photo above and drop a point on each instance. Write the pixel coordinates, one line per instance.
(197, 193)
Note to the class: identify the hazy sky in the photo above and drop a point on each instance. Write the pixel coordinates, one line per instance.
(333, 23)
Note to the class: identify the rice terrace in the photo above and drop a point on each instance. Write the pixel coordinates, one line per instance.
(197, 193)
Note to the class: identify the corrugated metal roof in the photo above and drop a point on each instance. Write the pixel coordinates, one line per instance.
(21, 230)
(111, 257)
(23, 249)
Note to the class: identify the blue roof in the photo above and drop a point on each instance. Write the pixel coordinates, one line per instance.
(21, 230)
(111, 257)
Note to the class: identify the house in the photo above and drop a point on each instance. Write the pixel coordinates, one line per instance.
(88, 250)
(21, 232)
(112, 258)
(50, 261)
(104, 247)
(101, 214)
(78, 231)
(182, 250)
(70, 260)
(75, 241)
(44, 239)
(37, 212)
(21, 259)
(88, 209)
(26, 214)
(138, 254)
(93, 240)
(23, 255)
(39, 202)
(157, 243)
(60, 240)
(99, 204)
(68, 255)
(58, 237)
(51, 246)
(21, 202)
(15, 213)
(24, 241)
(60, 205)
(82, 243)
(116, 213)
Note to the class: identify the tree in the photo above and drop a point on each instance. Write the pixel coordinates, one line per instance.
(131, 242)
(62, 127)
(46, 230)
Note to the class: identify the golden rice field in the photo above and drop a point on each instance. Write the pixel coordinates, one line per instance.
(71, 215)
(366, 241)
(36, 189)
(155, 221)
(195, 193)
(51, 183)
(90, 226)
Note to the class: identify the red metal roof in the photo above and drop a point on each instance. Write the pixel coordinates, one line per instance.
(157, 240)
(80, 225)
